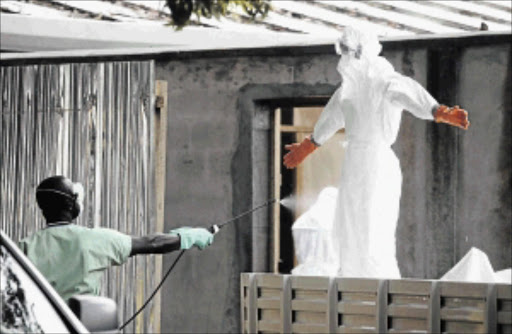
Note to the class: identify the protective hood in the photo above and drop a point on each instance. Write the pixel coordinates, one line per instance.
(358, 43)
(357, 49)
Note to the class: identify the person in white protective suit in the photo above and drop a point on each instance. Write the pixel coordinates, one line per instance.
(369, 106)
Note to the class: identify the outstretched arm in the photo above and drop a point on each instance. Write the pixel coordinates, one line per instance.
(411, 96)
(155, 244)
(180, 238)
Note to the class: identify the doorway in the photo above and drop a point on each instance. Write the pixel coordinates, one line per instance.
(301, 186)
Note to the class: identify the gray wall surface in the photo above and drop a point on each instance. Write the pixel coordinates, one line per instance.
(209, 175)
(456, 184)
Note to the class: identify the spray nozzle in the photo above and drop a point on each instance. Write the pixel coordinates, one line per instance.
(216, 227)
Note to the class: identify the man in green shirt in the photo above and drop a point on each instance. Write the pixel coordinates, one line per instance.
(73, 258)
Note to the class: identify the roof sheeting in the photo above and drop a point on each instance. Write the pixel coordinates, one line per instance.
(315, 19)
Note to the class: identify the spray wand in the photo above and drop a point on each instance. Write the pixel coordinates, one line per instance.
(215, 228)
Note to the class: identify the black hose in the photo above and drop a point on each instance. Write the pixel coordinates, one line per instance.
(219, 226)
(154, 292)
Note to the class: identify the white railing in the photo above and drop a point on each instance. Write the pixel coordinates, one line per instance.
(300, 304)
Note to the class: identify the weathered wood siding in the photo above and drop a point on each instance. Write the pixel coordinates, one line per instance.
(92, 122)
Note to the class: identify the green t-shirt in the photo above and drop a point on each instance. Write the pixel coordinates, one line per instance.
(73, 258)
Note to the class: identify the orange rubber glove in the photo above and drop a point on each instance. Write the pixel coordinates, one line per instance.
(454, 116)
(298, 152)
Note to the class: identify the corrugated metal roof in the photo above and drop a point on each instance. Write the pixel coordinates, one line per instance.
(319, 18)
(388, 17)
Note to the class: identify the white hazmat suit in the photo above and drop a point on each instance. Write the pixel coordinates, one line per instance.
(369, 106)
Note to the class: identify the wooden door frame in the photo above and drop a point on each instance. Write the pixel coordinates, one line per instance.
(256, 106)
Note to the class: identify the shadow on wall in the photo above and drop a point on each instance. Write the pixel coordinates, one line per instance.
(505, 159)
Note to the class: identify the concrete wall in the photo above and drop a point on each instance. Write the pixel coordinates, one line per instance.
(456, 189)
(210, 169)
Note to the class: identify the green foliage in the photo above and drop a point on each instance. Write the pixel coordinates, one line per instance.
(181, 10)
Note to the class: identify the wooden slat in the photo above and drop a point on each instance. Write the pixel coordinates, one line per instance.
(310, 305)
(270, 315)
(407, 331)
(309, 294)
(311, 283)
(462, 289)
(408, 311)
(368, 297)
(268, 303)
(265, 326)
(463, 315)
(465, 303)
(270, 280)
(309, 328)
(357, 284)
(355, 330)
(410, 287)
(269, 293)
(402, 299)
(357, 308)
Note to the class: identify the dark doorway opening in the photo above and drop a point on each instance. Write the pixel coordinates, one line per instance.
(292, 123)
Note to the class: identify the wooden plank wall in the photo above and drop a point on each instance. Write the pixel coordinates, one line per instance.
(94, 123)
(274, 303)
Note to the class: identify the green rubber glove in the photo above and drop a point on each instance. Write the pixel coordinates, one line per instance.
(193, 236)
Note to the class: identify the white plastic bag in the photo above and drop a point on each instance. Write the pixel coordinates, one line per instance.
(312, 237)
(476, 267)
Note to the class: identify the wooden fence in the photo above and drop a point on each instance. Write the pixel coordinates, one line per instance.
(92, 122)
(273, 303)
